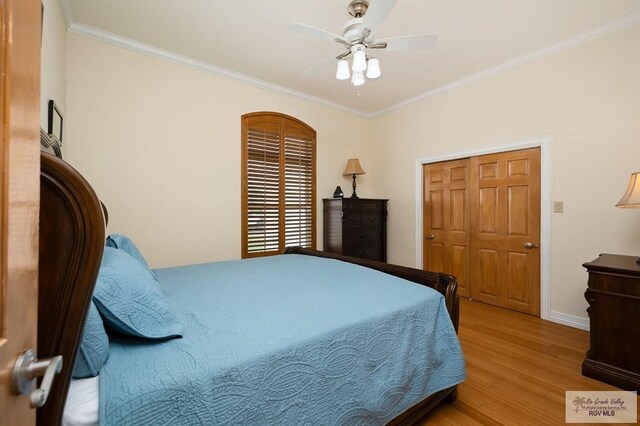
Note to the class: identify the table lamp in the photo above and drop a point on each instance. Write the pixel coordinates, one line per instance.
(631, 198)
(353, 168)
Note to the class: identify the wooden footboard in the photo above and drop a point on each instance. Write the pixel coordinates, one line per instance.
(445, 284)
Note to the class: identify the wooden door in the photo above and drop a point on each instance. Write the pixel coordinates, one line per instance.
(446, 224)
(19, 198)
(505, 230)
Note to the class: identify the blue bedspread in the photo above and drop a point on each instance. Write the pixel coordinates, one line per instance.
(284, 340)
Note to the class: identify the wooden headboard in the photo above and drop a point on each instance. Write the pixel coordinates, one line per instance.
(72, 233)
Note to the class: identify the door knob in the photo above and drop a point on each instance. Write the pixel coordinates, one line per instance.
(530, 246)
(430, 237)
(27, 369)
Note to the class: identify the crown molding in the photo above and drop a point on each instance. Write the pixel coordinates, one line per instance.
(117, 40)
(67, 12)
(614, 26)
(156, 52)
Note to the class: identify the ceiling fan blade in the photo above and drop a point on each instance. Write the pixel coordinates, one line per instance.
(321, 65)
(376, 13)
(311, 31)
(412, 42)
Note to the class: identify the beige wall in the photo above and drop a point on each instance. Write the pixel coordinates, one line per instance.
(160, 143)
(587, 98)
(54, 57)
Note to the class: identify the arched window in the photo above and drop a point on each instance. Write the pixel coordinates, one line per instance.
(278, 184)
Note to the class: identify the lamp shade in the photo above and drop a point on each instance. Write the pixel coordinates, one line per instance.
(631, 198)
(343, 70)
(358, 78)
(353, 168)
(359, 60)
(373, 68)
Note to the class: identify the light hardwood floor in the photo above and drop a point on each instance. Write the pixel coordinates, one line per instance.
(518, 369)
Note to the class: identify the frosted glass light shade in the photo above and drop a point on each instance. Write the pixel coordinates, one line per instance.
(631, 198)
(359, 61)
(343, 70)
(358, 78)
(373, 68)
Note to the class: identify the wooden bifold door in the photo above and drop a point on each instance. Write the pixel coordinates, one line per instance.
(482, 224)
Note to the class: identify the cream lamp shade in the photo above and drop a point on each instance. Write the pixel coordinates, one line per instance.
(353, 168)
(631, 198)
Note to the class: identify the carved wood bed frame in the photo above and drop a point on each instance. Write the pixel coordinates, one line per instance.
(72, 235)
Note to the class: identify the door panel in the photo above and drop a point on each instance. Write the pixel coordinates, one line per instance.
(446, 220)
(19, 195)
(505, 206)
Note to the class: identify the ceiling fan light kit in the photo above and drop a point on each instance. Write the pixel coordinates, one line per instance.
(357, 37)
(373, 68)
(358, 78)
(343, 70)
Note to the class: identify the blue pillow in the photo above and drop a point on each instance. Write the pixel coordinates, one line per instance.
(124, 243)
(94, 347)
(130, 299)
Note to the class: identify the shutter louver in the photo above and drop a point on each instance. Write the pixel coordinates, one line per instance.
(278, 186)
(298, 190)
(263, 193)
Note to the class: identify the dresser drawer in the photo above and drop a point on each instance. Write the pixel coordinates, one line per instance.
(352, 220)
(363, 251)
(362, 204)
(364, 219)
(357, 236)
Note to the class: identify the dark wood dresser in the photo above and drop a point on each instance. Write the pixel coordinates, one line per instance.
(356, 227)
(613, 295)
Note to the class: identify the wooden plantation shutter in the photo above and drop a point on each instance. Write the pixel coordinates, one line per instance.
(278, 184)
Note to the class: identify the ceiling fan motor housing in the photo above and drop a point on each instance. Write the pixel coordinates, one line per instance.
(352, 29)
(357, 8)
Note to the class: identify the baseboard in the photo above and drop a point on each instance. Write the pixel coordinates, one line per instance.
(569, 320)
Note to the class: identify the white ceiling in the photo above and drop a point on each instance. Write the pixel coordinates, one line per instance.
(250, 37)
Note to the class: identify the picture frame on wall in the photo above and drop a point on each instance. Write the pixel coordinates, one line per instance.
(55, 124)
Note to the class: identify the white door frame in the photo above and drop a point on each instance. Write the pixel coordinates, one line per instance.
(544, 143)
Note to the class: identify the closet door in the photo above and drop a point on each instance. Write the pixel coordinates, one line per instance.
(505, 230)
(446, 220)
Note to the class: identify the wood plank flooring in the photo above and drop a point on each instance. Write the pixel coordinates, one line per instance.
(518, 369)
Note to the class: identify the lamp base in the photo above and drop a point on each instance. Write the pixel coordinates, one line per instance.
(354, 195)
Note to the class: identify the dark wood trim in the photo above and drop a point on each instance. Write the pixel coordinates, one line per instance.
(72, 232)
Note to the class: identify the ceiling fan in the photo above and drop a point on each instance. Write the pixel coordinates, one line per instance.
(358, 38)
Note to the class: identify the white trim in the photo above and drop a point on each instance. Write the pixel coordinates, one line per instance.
(67, 12)
(570, 320)
(98, 34)
(156, 52)
(618, 25)
(544, 142)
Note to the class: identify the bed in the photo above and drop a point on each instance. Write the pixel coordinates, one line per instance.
(355, 342)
